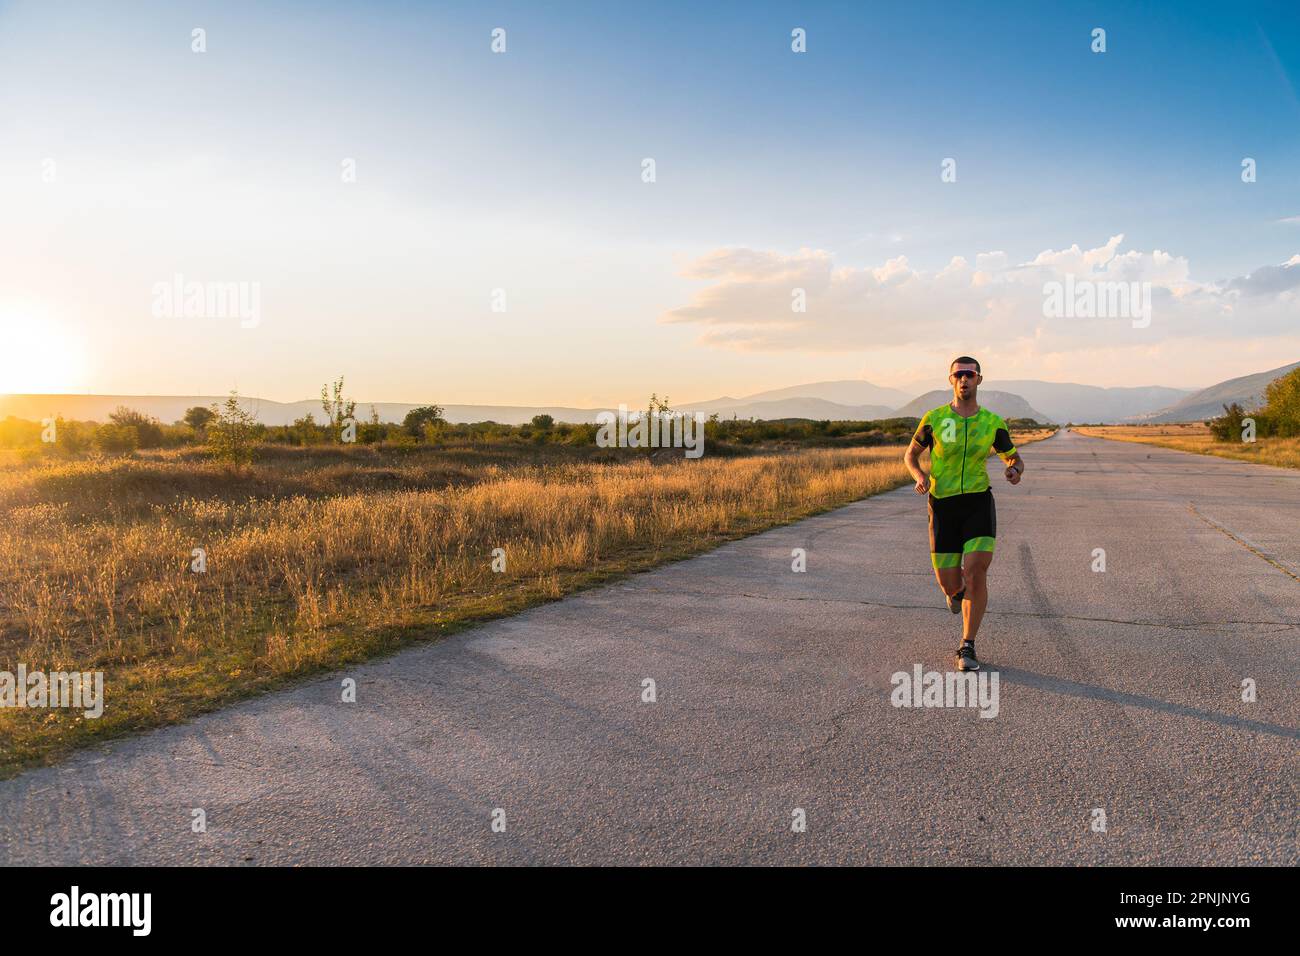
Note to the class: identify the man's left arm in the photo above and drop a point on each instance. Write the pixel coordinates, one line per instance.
(1006, 450)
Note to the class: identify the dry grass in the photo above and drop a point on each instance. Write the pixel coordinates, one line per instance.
(1033, 435)
(1282, 452)
(95, 558)
(321, 557)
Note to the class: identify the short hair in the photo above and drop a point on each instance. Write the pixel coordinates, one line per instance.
(965, 360)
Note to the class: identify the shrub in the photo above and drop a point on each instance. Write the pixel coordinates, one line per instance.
(114, 439)
(73, 438)
(148, 432)
(1227, 427)
(19, 433)
(233, 432)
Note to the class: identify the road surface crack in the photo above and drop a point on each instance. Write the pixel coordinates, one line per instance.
(839, 717)
(1244, 543)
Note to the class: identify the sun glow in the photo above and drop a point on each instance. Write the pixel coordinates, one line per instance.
(39, 356)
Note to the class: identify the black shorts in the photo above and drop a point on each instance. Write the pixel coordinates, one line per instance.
(960, 524)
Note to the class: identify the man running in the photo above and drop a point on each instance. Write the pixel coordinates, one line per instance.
(963, 523)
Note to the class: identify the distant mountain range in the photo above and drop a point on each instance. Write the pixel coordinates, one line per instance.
(1248, 391)
(1004, 403)
(843, 392)
(845, 400)
(170, 408)
(1067, 402)
(814, 408)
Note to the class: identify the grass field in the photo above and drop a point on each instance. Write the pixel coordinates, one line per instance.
(1032, 435)
(318, 557)
(1282, 452)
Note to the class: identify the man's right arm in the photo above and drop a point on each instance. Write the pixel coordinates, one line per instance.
(922, 440)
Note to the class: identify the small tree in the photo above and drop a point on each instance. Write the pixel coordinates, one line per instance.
(425, 415)
(305, 431)
(659, 408)
(373, 431)
(1283, 403)
(543, 422)
(337, 409)
(230, 434)
(198, 417)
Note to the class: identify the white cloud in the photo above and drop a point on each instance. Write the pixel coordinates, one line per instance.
(747, 303)
(1269, 280)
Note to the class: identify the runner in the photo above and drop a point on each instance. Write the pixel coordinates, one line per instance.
(963, 523)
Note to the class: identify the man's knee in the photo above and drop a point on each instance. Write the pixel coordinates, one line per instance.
(976, 573)
(950, 580)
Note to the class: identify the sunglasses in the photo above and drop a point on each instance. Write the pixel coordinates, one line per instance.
(963, 373)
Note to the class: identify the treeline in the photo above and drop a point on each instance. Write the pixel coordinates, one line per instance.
(128, 430)
(230, 436)
(124, 432)
(1279, 417)
(228, 432)
(883, 431)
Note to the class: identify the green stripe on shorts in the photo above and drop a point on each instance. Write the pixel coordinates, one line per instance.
(977, 544)
(945, 559)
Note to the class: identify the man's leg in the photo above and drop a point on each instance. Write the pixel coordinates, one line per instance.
(945, 547)
(949, 580)
(975, 567)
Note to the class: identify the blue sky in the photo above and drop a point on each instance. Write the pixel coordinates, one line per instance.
(521, 171)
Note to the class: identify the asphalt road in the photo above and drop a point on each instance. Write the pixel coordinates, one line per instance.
(1119, 691)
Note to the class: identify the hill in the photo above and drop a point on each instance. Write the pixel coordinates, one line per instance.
(799, 407)
(1071, 402)
(1248, 391)
(840, 400)
(170, 408)
(1004, 403)
(842, 392)
(861, 400)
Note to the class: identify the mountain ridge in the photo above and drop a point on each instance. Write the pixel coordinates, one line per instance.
(1245, 390)
(1013, 398)
(1003, 403)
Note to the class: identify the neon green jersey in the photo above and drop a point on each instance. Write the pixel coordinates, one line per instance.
(958, 447)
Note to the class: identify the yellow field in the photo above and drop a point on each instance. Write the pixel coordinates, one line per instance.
(95, 564)
(1282, 452)
(317, 557)
(1037, 434)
